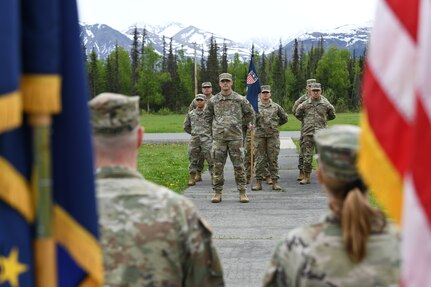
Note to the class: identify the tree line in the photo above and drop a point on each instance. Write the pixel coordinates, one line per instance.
(167, 82)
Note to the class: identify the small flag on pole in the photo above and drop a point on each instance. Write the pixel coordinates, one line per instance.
(253, 86)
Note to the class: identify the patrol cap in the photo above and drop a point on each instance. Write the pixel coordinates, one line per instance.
(337, 149)
(113, 114)
(310, 81)
(200, 97)
(315, 87)
(265, 88)
(206, 84)
(225, 76)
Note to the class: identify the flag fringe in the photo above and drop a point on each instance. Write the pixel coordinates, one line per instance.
(41, 94)
(15, 191)
(81, 244)
(10, 111)
(378, 173)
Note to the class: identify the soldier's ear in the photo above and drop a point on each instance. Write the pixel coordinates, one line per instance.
(140, 137)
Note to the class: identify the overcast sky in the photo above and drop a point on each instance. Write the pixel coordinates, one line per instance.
(238, 20)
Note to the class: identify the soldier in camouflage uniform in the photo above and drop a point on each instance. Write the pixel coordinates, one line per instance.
(201, 140)
(314, 114)
(228, 113)
(150, 235)
(207, 90)
(299, 101)
(267, 138)
(352, 245)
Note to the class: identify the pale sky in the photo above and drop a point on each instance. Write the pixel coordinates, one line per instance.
(237, 20)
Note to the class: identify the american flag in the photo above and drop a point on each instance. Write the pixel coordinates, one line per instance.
(396, 127)
(251, 78)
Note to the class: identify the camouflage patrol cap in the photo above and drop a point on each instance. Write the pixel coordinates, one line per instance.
(225, 76)
(200, 97)
(206, 84)
(315, 87)
(337, 149)
(310, 81)
(113, 114)
(265, 88)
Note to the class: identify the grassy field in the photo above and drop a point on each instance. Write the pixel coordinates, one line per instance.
(154, 123)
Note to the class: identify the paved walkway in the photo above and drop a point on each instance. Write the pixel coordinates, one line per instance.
(245, 234)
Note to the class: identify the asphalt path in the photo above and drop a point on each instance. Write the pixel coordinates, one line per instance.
(246, 233)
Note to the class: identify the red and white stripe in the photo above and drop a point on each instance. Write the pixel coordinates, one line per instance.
(397, 127)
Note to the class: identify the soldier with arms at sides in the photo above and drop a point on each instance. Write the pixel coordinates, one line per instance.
(267, 138)
(201, 139)
(228, 113)
(314, 114)
(150, 235)
(352, 245)
(207, 90)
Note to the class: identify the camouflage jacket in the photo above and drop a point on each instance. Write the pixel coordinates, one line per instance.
(269, 118)
(229, 116)
(152, 236)
(302, 99)
(315, 256)
(196, 125)
(314, 115)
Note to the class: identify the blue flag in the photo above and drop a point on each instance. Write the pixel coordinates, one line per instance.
(42, 72)
(253, 86)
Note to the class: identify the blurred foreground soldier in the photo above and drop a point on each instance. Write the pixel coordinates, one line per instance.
(314, 114)
(150, 235)
(228, 113)
(352, 245)
(201, 140)
(299, 101)
(207, 90)
(267, 138)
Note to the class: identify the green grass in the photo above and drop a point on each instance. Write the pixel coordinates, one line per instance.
(165, 164)
(173, 123)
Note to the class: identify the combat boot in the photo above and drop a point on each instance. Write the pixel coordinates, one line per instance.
(257, 186)
(306, 179)
(243, 197)
(216, 198)
(192, 180)
(300, 175)
(269, 180)
(275, 185)
(198, 177)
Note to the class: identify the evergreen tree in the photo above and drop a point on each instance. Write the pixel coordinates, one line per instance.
(134, 55)
(213, 69)
(93, 74)
(279, 84)
(263, 76)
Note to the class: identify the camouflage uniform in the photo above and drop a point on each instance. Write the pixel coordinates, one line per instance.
(201, 140)
(201, 161)
(314, 256)
(314, 116)
(150, 235)
(267, 139)
(228, 117)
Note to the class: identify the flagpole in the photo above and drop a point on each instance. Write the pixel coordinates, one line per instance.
(45, 253)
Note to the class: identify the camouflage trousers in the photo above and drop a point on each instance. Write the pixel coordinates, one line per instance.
(247, 154)
(308, 147)
(220, 150)
(301, 156)
(266, 154)
(200, 147)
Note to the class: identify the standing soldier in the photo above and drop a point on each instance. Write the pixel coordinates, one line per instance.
(299, 101)
(314, 114)
(207, 90)
(267, 138)
(228, 113)
(151, 236)
(201, 140)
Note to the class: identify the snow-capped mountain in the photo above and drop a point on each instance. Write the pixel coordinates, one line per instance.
(103, 39)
